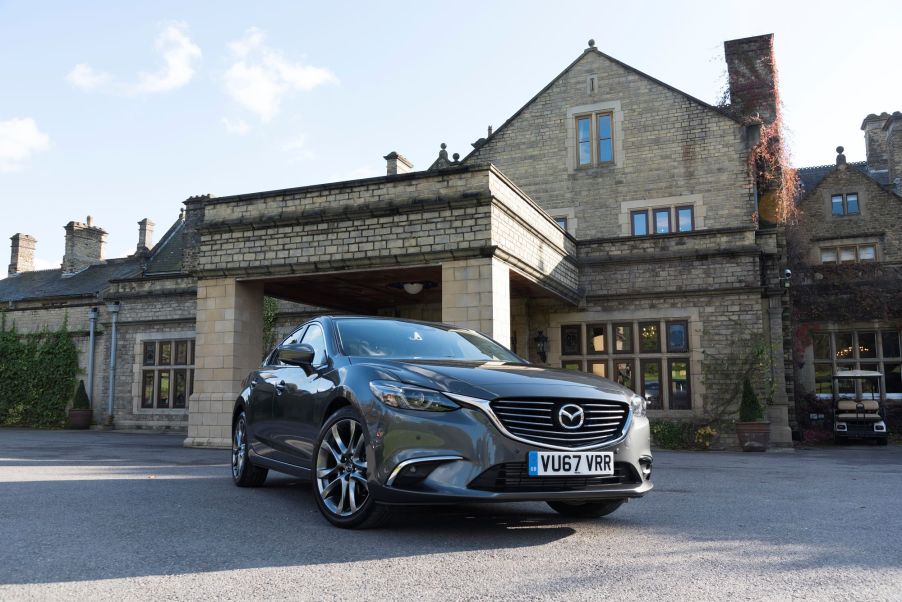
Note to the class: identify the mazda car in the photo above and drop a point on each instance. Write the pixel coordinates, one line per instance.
(382, 412)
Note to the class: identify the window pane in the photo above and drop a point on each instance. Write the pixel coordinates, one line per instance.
(677, 336)
(821, 343)
(597, 334)
(191, 346)
(847, 254)
(604, 127)
(640, 223)
(147, 389)
(623, 338)
(599, 368)
(150, 353)
(651, 382)
(190, 383)
(562, 222)
(180, 390)
(649, 337)
(165, 354)
(846, 386)
(605, 151)
(867, 345)
(163, 389)
(570, 340)
(867, 253)
(836, 204)
(584, 140)
(585, 153)
(684, 219)
(870, 388)
(623, 374)
(852, 204)
(844, 348)
(893, 379)
(828, 255)
(662, 221)
(823, 383)
(680, 397)
(572, 365)
(314, 337)
(890, 344)
(181, 353)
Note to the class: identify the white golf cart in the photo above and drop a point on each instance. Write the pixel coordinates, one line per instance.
(858, 406)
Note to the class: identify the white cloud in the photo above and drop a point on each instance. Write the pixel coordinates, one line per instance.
(260, 76)
(19, 139)
(180, 56)
(87, 78)
(45, 264)
(297, 148)
(239, 127)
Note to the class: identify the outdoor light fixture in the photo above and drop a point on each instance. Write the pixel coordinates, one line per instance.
(787, 277)
(542, 346)
(415, 287)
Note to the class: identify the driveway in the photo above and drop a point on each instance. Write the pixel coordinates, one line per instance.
(106, 515)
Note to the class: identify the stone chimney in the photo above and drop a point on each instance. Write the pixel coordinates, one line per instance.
(84, 246)
(893, 136)
(22, 257)
(145, 235)
(753, 77)
(875, 141)
(397, 164)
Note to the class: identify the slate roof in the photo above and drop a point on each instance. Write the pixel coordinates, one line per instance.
(166, 256)
(44, 284)
(810, 177)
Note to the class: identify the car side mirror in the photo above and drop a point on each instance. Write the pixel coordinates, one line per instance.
(300, 354)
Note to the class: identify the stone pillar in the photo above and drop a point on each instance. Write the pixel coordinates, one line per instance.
(476, 294)
(778, 410)
(228, 346)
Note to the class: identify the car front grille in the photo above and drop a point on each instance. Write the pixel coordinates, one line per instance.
(538, 421)
(514, 477)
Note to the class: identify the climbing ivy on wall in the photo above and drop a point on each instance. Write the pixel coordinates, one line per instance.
(270, 311)
(37, 376)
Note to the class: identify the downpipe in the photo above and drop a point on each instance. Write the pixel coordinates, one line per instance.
(113, 309)
(92, 320)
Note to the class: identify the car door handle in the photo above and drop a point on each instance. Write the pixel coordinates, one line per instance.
(280, 388)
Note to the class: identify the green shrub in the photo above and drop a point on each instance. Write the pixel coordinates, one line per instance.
(37, 377)
(81, 401)
(668, 434)
(750, 409)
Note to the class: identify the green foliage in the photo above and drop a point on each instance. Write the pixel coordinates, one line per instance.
(672, 435)
(270, 312)
(37, 377)
(81, 401)
(750, 409)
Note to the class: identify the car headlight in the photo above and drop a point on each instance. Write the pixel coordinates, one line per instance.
(406, 397)
(638, 404)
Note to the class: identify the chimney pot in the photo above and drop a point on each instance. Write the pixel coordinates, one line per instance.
(22, 255)
(397, 164)
(753, 77)
(84, 246)
(145, 235)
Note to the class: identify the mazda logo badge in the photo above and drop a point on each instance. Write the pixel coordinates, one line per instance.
(571, 416)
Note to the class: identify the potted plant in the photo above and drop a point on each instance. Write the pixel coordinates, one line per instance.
(752, 430)
(80, 414)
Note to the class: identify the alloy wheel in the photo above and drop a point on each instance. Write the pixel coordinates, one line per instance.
(341, 468)
(239, 448)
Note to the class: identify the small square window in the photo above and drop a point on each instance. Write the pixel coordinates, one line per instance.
(847, 254)
(845, 350)
(680, 396)
(821, 343)
(852, 204)
(165, 354)
(639, 221)
(685, 219)
(651, 382)
(828, 255)
(163, 389)
(623, 374)
(584, 140)
(147, 389)
(623, 338)
(575, 365)
(867, 253)
(662, 221)
(677, 336)
(890, 343)
(649, 337)
(599, 368)
(571, 340)
(836, 204)
(561, 221)
(596, 338)
(605, 142)
(867, 345)
(150, 354)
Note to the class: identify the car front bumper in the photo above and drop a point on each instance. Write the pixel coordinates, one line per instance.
(462, 456)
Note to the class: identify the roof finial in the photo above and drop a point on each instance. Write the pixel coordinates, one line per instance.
(592, 43)
(840, 158)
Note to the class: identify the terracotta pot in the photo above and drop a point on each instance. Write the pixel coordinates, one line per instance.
(80, 419)
(753, 436)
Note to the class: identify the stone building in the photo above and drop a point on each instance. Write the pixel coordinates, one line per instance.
(612, 214)
(847, 259)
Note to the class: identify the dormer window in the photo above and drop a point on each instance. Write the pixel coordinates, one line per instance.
(844, 204)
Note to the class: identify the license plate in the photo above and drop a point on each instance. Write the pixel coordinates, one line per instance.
(544, 464)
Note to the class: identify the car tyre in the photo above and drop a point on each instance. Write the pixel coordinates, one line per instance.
(586, 509)
(244, 472)
(341, 473)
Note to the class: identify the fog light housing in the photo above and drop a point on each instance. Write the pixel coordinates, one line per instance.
(841, 426)
(645, 466)
(880, 426)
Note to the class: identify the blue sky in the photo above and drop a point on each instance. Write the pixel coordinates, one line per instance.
(122, 110)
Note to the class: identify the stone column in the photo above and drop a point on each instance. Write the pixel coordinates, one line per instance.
(228, 346)
(476, 294)
(778, 411)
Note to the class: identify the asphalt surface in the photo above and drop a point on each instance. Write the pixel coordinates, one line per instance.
(106, 515)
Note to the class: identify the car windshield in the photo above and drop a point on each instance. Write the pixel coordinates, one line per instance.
(392, 339)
